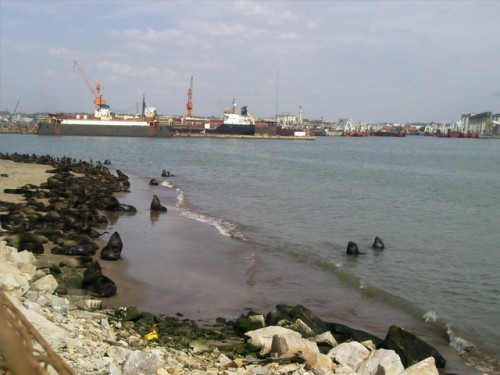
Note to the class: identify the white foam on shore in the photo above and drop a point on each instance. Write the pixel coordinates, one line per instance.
(224, 227)
(457, 342)
(430, 317)
(167, 184)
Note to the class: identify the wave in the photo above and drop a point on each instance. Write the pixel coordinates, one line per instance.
(224, 227)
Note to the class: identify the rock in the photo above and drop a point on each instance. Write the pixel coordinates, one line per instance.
(316, 361)
(46, 284)
(288, 345)
(292, 313)
(146, 363)
(300, 327)
(113, 249)
(381, 361)
(53, 334)
(154, 182)
(424, 367)
(262, 338)
(325, 338)
(249, 323)
(351, 354)
(344, 333)
(12, 280)
(410, 348)
(156, 205)
(378, 243)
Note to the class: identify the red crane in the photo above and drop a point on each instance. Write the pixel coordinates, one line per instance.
(98, 99)
(189, 105)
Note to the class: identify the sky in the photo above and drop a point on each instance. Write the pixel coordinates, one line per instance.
(376, 61)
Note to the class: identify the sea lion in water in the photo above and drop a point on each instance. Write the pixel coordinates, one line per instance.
(378, 243)
(156, 205)
(352, 249)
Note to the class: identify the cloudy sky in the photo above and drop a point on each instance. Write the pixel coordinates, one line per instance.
(394, 61)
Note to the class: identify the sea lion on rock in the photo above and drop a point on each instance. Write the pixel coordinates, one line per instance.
(113, 249)
(352, 249)
(96, 283)
(156, 205)
(378, 243)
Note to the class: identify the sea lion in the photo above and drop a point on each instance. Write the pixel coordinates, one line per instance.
(113, 249)
(156, 205)
(378, 243)
(78, 262)
(80, 249)
(352, 249)
(96, 283)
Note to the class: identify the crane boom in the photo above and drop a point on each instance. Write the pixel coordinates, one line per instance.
(99, 100)
(189, 105)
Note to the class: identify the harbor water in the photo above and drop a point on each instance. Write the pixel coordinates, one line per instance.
(287, 209)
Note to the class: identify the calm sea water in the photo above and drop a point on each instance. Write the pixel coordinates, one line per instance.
(434, 202)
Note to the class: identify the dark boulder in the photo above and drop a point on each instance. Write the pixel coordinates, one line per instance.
(292, 313)
(410, 348)
(154, 182)
(96, 283)
(378, 243)
(343, 333)
(156, 205)
(113, 249)
(352, 249)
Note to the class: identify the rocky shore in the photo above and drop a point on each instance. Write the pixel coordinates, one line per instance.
(65, 215)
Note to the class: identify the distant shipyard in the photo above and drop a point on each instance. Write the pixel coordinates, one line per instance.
(235, 123)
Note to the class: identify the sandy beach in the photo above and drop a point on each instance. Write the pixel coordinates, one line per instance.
(19, 174)
(192, 280)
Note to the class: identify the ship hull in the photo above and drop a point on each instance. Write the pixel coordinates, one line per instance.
(389, 134)
(108, 130)
(231, 129)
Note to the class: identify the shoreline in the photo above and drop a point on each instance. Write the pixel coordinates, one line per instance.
(119, 271)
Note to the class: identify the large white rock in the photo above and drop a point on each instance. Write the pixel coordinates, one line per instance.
(139, 362)
(424, 367)
(263, 337)
(326, 338)
(22, 256)
(12, 280)
(381, 362)
(288, 345)
(351, 354)
(53, 334)
(47, 284)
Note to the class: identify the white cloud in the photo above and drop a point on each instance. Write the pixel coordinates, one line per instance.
(150, 35)
(271, 11)
(61, 52)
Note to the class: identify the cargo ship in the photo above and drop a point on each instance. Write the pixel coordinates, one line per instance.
(235, 124)
(104, 123)
(394, 132)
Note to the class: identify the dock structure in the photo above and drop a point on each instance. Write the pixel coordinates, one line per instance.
(238, 136)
